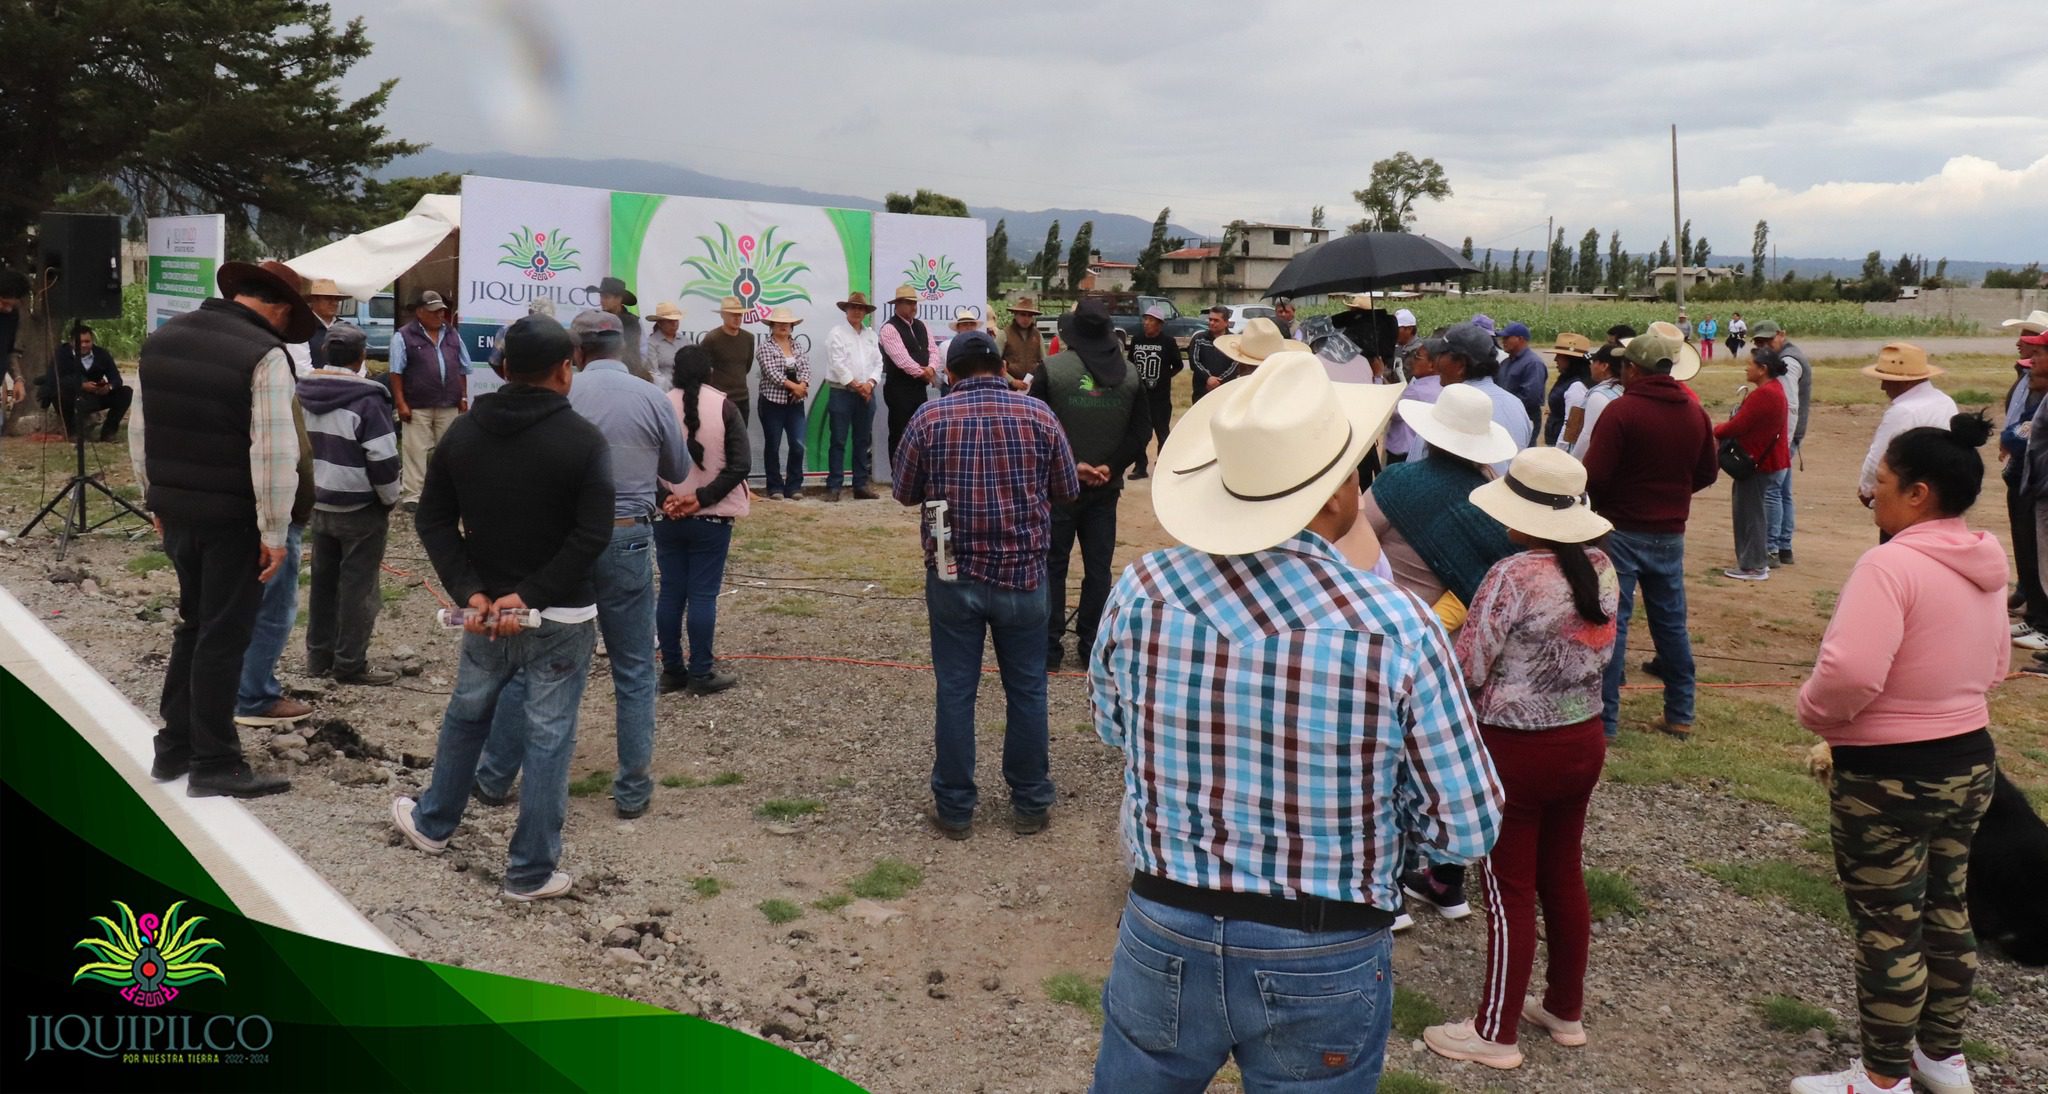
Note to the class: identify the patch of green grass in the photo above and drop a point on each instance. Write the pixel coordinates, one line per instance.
(783, 809)
(392, 594)
(1803, 888)
(706, 886)
(1982, 1052)
(684, 782)
(1402, 1082)
(1414, 1012)
(1782, 1012)
(888, 879)
(1752, 750)
(778, 910)
(832, 902)
(726, 778)
(1611, 894)
(1824, 601)
(798, 607)
(1076, 990)
(597, 782)
(1985, 996)
(149, 562)
(1971, 396)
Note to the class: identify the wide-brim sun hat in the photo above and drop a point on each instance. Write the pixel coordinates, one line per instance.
(1902, 361)
(2035, 322)
(1686, 364)
(731, 306)
(281, 280)
(855, 300)
(1543, 496)
(1461, 423)
(666, 310)
(903, 293)
(1572, 344)
(1251, 464)
(614, 286)
(1261, 339)
(782, 315)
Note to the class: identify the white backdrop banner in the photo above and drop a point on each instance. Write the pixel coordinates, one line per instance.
(527, 240)
(184, 255)
(945, 259)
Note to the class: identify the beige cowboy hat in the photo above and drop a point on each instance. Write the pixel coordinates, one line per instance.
(666, 310)
(1461, 423)
(782, 315)
(1571, 344)
(1261, 339)
(1025, 306)
(1686, 364)
(731, 304)
(1901, 361)
(325, 286)
(1360, 300)
(904, 292)
(965, 315)
(856, 300)
(1543, 495)
(2035, 322)
(1251, 464)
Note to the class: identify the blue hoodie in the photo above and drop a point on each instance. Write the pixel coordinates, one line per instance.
(355, 443)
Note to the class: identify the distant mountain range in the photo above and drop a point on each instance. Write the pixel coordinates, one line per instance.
(1118, 236)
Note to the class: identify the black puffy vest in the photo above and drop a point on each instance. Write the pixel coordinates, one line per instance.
(196, 376)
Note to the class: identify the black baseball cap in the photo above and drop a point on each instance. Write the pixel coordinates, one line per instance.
(534, 344)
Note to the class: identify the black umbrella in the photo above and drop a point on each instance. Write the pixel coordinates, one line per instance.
(1369, 260)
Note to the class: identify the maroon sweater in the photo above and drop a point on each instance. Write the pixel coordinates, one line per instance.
(1651, 451)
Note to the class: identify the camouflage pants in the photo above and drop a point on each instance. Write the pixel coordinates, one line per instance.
(1902, 848)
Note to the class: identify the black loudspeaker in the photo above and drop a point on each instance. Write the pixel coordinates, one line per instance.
(79, 255)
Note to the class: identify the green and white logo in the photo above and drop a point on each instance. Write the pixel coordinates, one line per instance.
(759, 272)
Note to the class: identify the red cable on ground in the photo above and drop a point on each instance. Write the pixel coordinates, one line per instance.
(424, 583)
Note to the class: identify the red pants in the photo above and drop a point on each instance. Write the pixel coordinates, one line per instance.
(1549, 776)
(1706, 349)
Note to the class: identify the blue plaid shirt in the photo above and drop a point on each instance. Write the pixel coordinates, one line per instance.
(1000, 460)
(1288, 723)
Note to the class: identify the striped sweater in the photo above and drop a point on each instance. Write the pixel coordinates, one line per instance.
(355, 442)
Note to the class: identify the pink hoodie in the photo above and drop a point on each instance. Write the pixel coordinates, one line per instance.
(1918, 637)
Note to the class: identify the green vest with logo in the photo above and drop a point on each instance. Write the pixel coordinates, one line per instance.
(1094, 416)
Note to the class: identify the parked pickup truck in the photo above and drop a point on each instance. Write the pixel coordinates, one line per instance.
(1127, 314)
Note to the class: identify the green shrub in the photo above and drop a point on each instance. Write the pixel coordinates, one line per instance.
(783, 809)
(597, 782)
(1075, 990)
(1610, 895)
(1782, 1012)
(889, 879)
(707, 886)
(776, 910)
(832, 902)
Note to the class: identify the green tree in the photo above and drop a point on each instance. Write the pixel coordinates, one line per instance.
(1465, 282)
(1701, 251)
(1557, 265)
(1759, 248)
(1906, 271)
(928, 203)
(1589, 261)
(1486, 273)
(1079, 254)
(232, 107)
(386, 200)
(1395, 185)
(1048, 260)
(998, 258)
(1515, 271)
(1939, 278)
(1146, 280)
(1227, 252)
(1529, 271)
(2028, 277)
(1664, 252)
(1617, 264)
(1873, 267)
(1684, 253)
(1315, 217)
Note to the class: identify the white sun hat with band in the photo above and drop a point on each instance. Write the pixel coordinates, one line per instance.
(1686, 364)
(1461, 423)
(1251, 464)
(1543, 496)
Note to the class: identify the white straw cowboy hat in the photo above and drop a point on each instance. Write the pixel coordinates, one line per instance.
(965, 315)
(1261, 339)
(904, 292)
(1901, 361)
(1686, 365)
(325, 286)
(2035, 322)
(666, 310)
(782, 315)
(1252, 464)
(731, 306)
(1543, 495)
(1461, 423)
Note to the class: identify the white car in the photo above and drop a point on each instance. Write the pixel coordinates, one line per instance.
(1241, 314)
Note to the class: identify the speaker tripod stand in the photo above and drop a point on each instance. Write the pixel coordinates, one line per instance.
(70, 499)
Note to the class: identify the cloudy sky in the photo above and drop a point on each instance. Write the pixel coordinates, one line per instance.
(1880, 124)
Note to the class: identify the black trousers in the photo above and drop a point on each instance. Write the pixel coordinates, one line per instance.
(218, 595)
(903, 396)
(342, 605)
(1091, 518)
(1159, 405)
(2026, 557)
(80, 406)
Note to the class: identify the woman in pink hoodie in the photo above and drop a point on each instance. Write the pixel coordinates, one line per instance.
(1918, 639)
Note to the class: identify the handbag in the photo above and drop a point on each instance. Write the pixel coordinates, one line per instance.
(1736, 463)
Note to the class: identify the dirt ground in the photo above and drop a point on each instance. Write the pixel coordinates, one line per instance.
(944, 987)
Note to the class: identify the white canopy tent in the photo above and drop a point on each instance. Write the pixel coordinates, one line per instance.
(362, 264)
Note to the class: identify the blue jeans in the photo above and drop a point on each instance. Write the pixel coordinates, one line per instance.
(274, 618)
(778, 419)
(847, 413)
(552, 662)
(624, 578)
(1778, 508)
(1656, 563)
(1307, 1011)
(691, 554)
(962, 613)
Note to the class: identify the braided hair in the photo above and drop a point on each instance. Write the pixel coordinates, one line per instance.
(692, 369)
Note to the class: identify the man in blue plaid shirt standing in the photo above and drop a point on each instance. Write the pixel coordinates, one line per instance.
(999, 460)
(1289, 724)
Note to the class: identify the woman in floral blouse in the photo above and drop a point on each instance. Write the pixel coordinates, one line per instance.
(785, 383)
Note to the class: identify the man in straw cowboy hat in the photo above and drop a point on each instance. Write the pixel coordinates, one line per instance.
(1101, 406)
(1651, 451)
(1254, 655)
(614, 297)
(999, 462)
(1261, 339)
(218, 465)
(853, 366)
(911, 358)
(1798, 384)
(1023, 349)
(431, 389)
(663, 341)
(1903, 371)
(325, 298)
(732, 355)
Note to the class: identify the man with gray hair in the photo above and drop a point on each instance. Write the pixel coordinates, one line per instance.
(1466, 357)
(646, 445)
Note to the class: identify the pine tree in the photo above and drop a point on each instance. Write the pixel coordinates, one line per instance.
(1589, 261)
(1146, 280)
(1617, 264)
(1048, 261)
(1759, 247)
(998, 258)
(1079, 254)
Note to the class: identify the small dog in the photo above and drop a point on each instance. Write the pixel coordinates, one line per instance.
(2008, 860)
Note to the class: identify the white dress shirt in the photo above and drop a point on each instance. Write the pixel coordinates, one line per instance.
(1923, 404)
(853, 356)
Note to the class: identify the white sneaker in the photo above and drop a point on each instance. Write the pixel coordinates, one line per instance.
(2027, 638)
(1568, 1034)
(1403, 921)
(1853, 1081)
(2021, 628)
(401, 815)
(1950, 1076)
(1748, 575)
(556, 885)
(1459, 1041)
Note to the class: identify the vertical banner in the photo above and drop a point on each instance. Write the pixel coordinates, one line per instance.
(521, 242)
(943, 259)
(184, 253)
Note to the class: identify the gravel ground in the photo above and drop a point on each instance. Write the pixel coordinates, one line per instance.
(940, 988)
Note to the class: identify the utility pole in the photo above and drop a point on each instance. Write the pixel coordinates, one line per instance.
(1677, 242)
(1550, 262)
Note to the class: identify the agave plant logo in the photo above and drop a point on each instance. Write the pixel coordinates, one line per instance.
(757, 271)
(539, 255)
(149, 958)
(934, 277)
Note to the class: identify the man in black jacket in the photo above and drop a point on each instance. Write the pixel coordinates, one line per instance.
(1156, 356)
(88, 382)
(515, 510)
(1208, 368)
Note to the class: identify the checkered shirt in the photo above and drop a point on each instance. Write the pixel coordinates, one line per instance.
(1289, 723)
